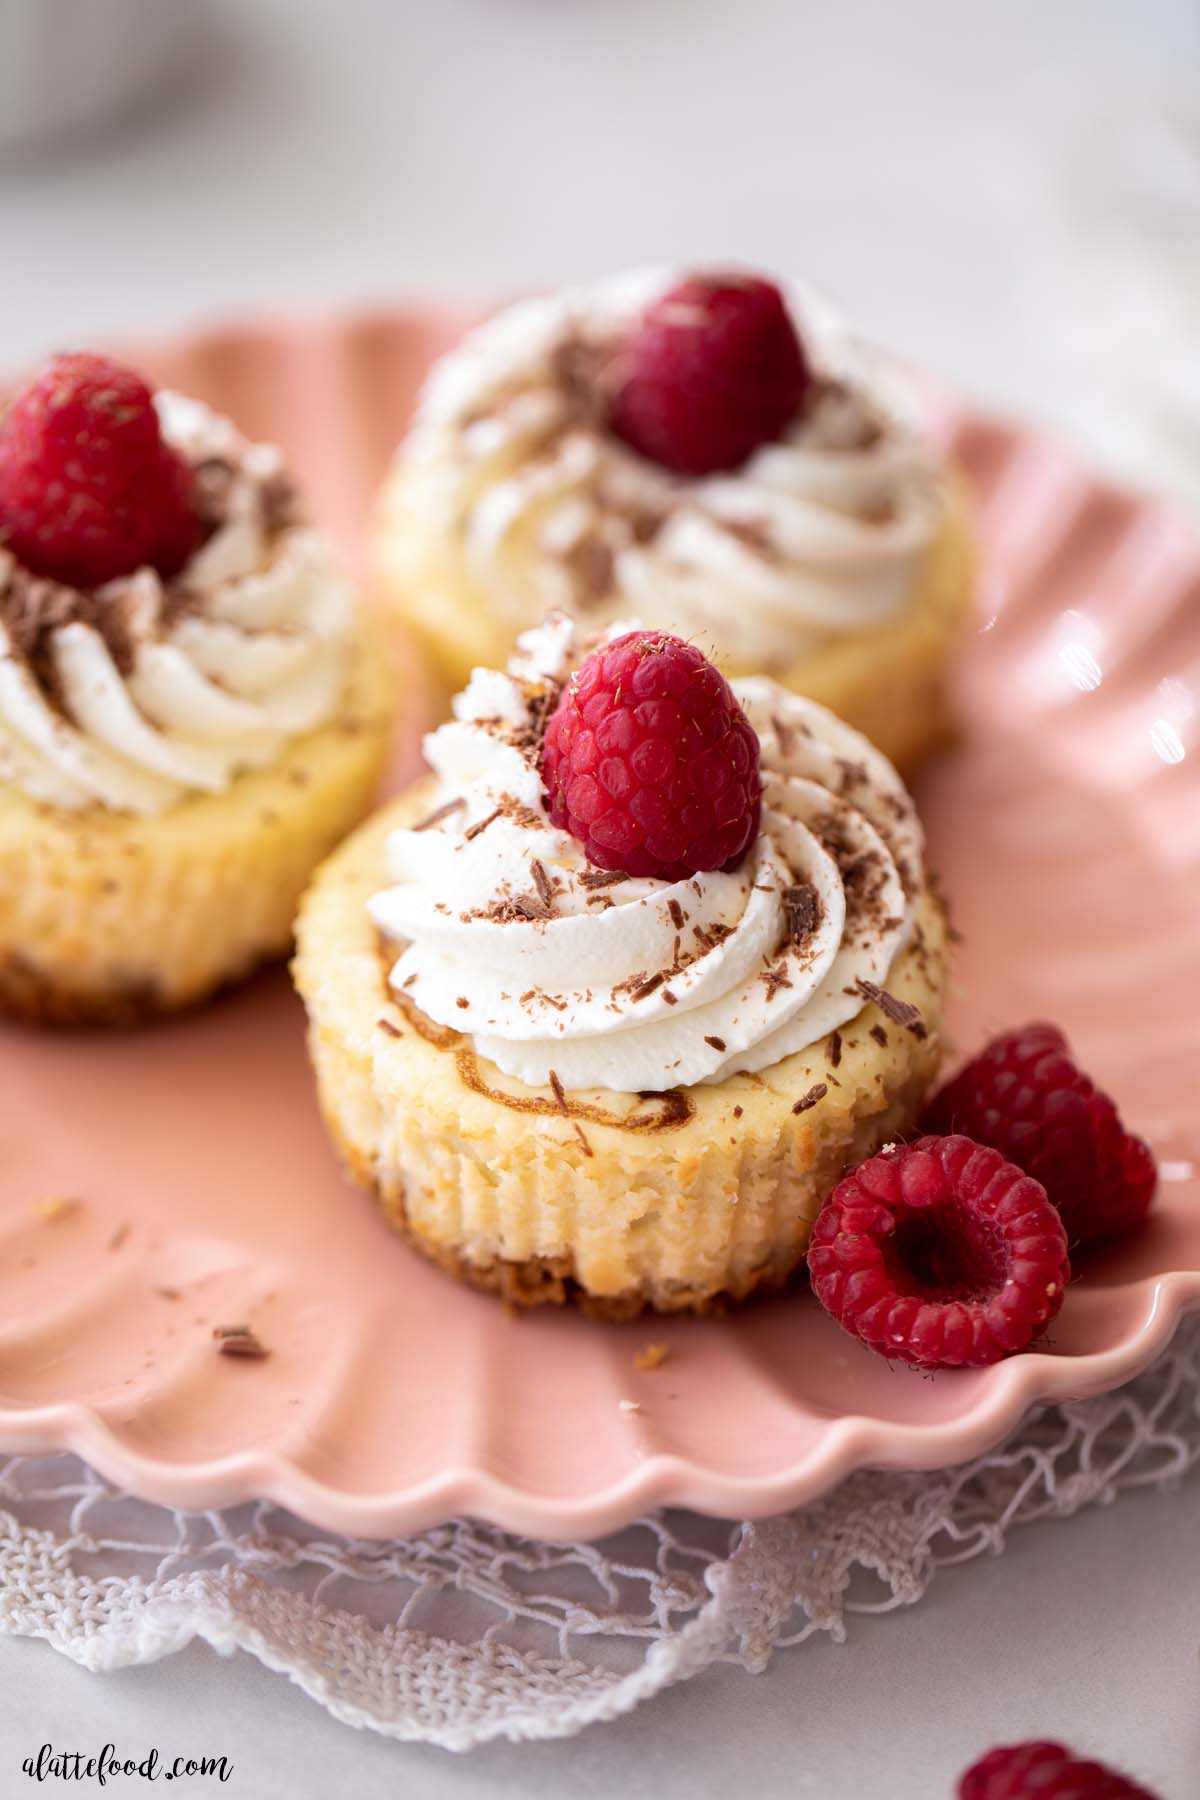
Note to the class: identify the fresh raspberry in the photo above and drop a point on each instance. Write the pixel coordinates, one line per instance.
(650, 762)
(88, 489)
(940, 1254)
(713, 370)
(1044, 1771)
(1024, 1095)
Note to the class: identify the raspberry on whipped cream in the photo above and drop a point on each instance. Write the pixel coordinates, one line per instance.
(163, 683)
(88, 488)
(563, 972)
(822, 528)
(713, 370)
(650, 762)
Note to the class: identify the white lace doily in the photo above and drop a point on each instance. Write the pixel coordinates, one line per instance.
(466, 1634)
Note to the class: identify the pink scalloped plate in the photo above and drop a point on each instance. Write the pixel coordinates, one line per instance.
(1067, 829)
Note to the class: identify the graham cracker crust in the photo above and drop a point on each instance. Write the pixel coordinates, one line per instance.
(31, 996)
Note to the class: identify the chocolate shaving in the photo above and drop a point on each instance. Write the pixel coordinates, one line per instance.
(802, 910)
(591, 567)
(438, 814)
(817, 1092)
(480, 825)
(677, 914)
(517, 813)
(716, 1042)
(239, 1340)
(580, 369)
(900, 1012)
(645, 988)
(386, 1024)
(835, 1048)
(542, 881)
(880, 1035)
(600, 878)
(513, 909)
(709, 937)
(539, 704)
(527, 907)
(560, 1094)
(775, 979)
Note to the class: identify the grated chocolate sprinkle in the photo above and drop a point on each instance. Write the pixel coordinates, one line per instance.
(774, 979)
(481, 825)
(601, 878)
(900, 1012)
(802, 910)
(542, 881)
(817, 1092)
(239, 1340)
(516, 909)
(439, 813)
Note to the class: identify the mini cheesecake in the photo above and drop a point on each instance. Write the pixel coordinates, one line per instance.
(624, 1086)
(192, 709)
(719, 459)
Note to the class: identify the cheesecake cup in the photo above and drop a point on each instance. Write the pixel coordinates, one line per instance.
(836, 558)
(178, 754)
(548, 1116)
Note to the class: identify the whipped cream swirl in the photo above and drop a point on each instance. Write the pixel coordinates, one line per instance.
(141, 692)
(560, 972)
(821, 533)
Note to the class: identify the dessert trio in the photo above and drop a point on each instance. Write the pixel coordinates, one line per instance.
(636, 1000)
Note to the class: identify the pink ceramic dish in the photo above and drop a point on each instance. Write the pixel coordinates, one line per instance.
(1067, 830)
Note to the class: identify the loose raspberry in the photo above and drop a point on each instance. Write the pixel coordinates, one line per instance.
(650, 762)
(940, 1254)
(1024, 1095)
(1044, 1771)
(713, 370)
(88, 489)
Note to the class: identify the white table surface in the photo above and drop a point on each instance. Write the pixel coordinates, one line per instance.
(986, 187)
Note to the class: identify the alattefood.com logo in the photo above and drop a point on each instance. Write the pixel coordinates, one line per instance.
(76, 1765)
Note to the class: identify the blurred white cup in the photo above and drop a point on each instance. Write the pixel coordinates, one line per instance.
(67, 63)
